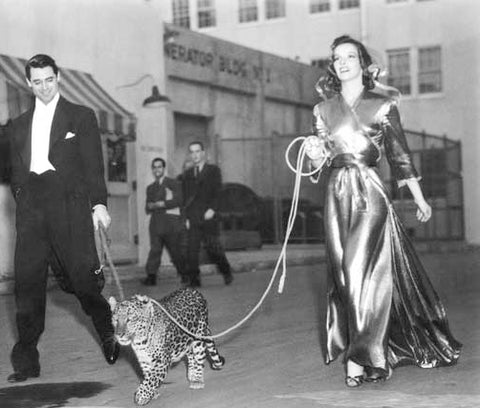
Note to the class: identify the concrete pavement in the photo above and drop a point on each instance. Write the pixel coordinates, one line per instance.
(274, 360)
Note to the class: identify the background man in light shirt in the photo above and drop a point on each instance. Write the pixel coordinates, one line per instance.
(59, 188)
(167, 229)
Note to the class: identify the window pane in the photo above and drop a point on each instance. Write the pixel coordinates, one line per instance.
(181, 14)
(274, 8)
(319, 6)
(347, 4)
(247, 11)
(429, 70)
(117, 160)
(206, 13)
(399, 70)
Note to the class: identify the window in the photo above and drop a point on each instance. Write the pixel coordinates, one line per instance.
(247, 11)
(348, 4)
(399, 70)
(206, 13)
(181, 13)
(116, 160)
(319, 6)
(274, 9)
(429, 70)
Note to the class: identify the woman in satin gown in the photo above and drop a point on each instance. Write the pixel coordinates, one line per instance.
(382, 311)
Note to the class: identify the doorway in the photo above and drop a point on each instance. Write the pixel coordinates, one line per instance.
(189, 128)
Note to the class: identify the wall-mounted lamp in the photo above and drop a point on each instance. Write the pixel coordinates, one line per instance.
(156, 99)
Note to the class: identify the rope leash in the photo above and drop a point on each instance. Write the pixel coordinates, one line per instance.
(282, 259)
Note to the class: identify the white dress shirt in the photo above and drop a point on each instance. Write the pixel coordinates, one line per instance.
(41, 127)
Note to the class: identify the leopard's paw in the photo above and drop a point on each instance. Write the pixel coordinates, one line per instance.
(196, 385)
(142, 397)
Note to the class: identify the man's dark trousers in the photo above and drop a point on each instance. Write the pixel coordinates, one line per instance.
(53, 227)
(206, 232)
(172, 235)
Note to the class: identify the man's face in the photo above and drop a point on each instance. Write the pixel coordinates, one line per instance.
(157, 169)
(196, 154)
(44, 83)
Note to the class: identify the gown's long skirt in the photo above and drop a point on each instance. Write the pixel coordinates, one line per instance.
(382, 309)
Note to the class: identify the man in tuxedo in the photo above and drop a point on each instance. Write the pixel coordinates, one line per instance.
(164, 198)
(201, 185)
(59, 188)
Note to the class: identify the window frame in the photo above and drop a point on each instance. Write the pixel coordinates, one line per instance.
(205, 12)
(179, 15)
(243, 11)
(438, 70)
(319, 3)
(347, 5)
(277, 5)
(408, 76)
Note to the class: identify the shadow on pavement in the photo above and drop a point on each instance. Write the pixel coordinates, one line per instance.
(52, 395)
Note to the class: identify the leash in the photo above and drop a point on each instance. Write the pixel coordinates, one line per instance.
(305, 149)
(106, 255)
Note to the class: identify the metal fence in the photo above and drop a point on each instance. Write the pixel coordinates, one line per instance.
(259, 163)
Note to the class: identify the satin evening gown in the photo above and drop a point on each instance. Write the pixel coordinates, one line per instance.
(382, 309)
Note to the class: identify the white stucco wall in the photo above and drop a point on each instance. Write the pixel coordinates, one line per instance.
(455, 26)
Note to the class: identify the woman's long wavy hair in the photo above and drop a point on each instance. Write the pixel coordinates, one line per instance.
(331, 83)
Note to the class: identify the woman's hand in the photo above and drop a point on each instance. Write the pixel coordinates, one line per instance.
(424, 211)
(315, 149)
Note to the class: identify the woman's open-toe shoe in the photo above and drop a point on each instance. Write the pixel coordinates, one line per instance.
(354, 382)
(373, 375)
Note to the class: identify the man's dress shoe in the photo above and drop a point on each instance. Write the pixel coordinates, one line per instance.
(111, 349)
(150, 280)
(20, 376)
(228, 278)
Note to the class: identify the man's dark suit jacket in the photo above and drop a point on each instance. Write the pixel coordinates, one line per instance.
(78, 160)
(162, 221)
(201, 192)
(79, 167)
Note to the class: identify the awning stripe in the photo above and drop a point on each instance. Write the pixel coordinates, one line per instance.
(13, 68)
(78, 87)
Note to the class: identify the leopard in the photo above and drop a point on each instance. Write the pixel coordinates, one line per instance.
(158, 342)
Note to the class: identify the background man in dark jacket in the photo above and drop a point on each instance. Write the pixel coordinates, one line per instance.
(58, 184)
(201, 187)
(164, 198)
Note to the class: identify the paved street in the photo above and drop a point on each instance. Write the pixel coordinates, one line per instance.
(274, 360)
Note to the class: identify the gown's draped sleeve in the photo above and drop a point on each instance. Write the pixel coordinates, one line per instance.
(396, 148)
(319, 127)
(320, 130)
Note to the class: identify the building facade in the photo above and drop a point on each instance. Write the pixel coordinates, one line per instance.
(110, 56)
(430, 50)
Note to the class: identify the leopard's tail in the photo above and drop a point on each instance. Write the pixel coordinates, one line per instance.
(215, 359)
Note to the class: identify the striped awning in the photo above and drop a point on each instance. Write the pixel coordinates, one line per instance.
(81, 88)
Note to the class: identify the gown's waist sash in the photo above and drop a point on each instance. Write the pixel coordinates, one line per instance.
(351, 160)
(351, 177)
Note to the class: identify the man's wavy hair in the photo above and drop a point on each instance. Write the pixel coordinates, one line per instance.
(40, 61)
(331, 83)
